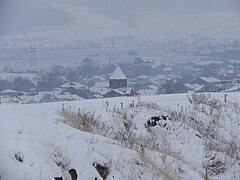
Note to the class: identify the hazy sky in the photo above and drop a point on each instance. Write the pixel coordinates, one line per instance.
(161, 6)
(20, 15)
(127, 10)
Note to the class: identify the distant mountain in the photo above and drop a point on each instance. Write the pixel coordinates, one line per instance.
(23, 15)
(151, 20)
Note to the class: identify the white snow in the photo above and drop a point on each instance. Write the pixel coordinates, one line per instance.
(210, 79)
(75, 85)
(36, 132)
(118, 74)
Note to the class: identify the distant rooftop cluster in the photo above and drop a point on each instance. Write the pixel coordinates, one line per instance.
(141, 77)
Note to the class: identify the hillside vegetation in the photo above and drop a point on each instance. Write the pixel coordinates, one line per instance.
(195, 137)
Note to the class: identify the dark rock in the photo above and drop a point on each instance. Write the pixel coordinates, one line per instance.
(58, 178)
(103, 171)
(198, 136)
(73, 174)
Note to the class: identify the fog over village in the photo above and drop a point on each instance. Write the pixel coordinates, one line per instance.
(156, 82)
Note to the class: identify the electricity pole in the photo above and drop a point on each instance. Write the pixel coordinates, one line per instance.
(33, 58)
(75, 40)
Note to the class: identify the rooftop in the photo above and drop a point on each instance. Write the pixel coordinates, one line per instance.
(118, 74)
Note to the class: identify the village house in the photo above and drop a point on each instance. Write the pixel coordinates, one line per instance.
(206, 81)
(76, 88)
(118, 85)
(117, 79)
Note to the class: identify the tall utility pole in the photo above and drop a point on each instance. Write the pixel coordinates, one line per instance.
(31, 51)
(33, 58)
(75, 39)
(112, 43)
(113, 53)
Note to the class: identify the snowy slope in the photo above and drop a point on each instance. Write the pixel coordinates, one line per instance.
(35, 139)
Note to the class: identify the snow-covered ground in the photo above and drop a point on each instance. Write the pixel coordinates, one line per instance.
(36, 143)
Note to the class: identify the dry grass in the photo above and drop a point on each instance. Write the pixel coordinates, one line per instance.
(62, 160)
(81, 120)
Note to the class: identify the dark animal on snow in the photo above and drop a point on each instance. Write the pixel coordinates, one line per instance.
(165, 117)
(155, 118)
(153, 121)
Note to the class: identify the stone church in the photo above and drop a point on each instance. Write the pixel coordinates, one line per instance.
(118, 85)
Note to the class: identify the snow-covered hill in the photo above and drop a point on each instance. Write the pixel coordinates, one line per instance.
(198, 136)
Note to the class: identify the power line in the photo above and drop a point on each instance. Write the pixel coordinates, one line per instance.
(212, 35)
(122, 48)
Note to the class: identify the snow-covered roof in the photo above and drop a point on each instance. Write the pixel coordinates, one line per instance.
(143, 77)
(233, 61)
(9, 91)
(75, 85)
(102, 84)
(118, 74)
(210, 79)
(190, 86)
(160, 77)
(232, 89)
(100, 87)
(69, 96)
(205, 63)
(123, 91)
(194, 87)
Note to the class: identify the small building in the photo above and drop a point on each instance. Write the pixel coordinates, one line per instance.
(118, 85)
(119, 92)
(117, 79)
(10, 92)
(78, 89)
(206, 81)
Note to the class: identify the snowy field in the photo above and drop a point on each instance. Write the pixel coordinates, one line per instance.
(199, 138)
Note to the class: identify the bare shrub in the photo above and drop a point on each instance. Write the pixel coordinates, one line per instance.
(201, 101)
(122, 113)
(166, 171)
(176, 115)
(214, 166)
(198, 98)
(82, 120)
(228, 148)
(147, 105)
(62, 160)
(214, 104)
(235, 107)
(19, 156)
(231, 150)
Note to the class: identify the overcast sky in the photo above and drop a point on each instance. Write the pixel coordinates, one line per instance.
(21, 14)
(161, 6)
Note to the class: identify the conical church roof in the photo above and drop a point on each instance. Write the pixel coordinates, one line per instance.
(118, 74)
